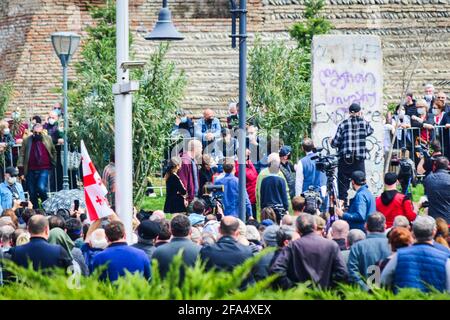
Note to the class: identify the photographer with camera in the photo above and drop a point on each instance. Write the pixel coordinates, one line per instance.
(11, 190)
(231, 191)
(362, 204)
(350, 140)
(307, 174)
(437, 190)
(427, 162)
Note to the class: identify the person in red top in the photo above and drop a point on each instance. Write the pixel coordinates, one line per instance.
(392, 203)
(251, 178)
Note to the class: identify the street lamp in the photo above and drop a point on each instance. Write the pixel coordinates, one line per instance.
(65, 45)
(165, 30)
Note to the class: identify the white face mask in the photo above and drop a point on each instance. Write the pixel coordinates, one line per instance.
(421, 111)
(6, 131)
(428, 97)
(435, 112)
(12, 180)
(51, 121)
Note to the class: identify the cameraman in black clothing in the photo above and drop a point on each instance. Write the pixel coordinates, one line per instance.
(428, 161)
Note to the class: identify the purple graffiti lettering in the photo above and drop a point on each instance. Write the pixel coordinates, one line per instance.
(331, 78)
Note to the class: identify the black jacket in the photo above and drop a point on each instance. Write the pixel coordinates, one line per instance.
(174, 197)
(148, 248)
(42, 255)
(437, 186)
(225, 254)
(165, 254)
(311, 257)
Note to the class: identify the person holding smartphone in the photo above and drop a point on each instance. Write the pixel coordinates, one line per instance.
(11, 190)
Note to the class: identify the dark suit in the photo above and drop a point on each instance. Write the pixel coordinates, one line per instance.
(225, 255)
(164, 254)
(42, 255)
(311, 257)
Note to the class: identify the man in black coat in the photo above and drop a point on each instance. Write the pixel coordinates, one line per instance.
(226, 253)
(437, 189)
(180, 227)
(300, 261)
(38, 251)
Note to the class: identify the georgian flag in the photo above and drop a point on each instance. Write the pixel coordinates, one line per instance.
(94, 190)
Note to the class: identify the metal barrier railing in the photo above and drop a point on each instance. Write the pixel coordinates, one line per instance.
(417, 140)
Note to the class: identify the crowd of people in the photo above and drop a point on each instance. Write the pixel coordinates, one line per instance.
(319, 237)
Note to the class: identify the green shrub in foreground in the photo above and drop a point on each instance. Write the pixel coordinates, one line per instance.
(198, 285)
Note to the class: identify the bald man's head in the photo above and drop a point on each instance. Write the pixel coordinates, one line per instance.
(208, 114)
(229, 226)
(340, 229)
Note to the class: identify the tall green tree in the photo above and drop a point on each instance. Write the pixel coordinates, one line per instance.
(161, 89)
(314, 24)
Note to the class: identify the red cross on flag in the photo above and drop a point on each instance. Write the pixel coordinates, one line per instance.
(94, 190)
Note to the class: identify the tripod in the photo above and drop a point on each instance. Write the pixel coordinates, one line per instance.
(332, 196)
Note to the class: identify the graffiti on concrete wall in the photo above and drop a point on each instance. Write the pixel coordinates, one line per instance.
(348, 69)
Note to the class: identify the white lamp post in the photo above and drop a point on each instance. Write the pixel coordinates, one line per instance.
(65, 45)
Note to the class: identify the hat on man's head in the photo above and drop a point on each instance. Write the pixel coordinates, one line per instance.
(270, 235)
(195, 218)
(390, 178)
(267, 222)
(285, 150)
(149, 230)
(359, 177)
(354, 107)
(13, 172)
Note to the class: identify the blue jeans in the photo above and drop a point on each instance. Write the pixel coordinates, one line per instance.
(37, 182)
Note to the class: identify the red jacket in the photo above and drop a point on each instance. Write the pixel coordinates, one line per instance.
(392, 204)
(251, 177)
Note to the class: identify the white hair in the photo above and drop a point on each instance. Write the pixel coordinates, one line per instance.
(429, 86)
(232, 105)
(98, 239)
(252, 233)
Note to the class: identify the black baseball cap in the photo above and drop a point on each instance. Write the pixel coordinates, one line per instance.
(13, 172)
(390, 178)
(354, 107)
(149, 230)
(359, 177)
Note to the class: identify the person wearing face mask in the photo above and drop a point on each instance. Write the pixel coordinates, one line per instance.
(424, 121)
(441, 121)
(401, 121)
(208, 128)
(350, 141)
(57, 135)
(429, 96)
(37, 157)
(10, 190)
(362, 204)
(57, 109)
(6, 143)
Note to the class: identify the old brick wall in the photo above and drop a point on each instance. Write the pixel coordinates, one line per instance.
(27, 58)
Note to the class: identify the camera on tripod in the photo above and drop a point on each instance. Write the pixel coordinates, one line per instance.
(212, 195)
(313, 201)
(325, 163)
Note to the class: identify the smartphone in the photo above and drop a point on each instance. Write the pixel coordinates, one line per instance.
(24, 204)
(76, 204)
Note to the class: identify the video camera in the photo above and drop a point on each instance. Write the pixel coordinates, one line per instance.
(212, 196)
(325, 163)
(313, 201)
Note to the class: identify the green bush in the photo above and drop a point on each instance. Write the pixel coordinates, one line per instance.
(198, 285)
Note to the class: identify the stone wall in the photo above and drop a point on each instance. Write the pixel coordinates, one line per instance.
(27, 58)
